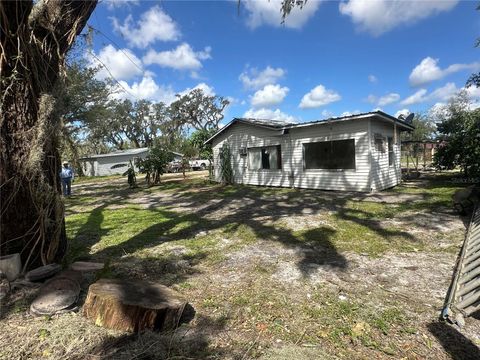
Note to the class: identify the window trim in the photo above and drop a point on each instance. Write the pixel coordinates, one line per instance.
(324, 169)
(279, 157)
(392, 152)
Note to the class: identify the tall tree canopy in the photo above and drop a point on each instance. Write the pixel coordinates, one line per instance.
(35, 38)
(81, 100)
(199, 110)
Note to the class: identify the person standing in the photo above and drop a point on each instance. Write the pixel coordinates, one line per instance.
(66, 175)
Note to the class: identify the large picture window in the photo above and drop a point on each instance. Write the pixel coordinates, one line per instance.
(338, 154)
(268, 157)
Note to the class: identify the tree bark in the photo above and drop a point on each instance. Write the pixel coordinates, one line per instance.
(133, 305)
(34, 42)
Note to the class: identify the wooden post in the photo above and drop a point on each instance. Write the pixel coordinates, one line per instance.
(408, 158)
(424, 155)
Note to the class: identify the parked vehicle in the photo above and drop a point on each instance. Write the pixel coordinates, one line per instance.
(199, 164)
(174, 167)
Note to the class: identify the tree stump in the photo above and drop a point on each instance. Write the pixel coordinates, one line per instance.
(134, 305)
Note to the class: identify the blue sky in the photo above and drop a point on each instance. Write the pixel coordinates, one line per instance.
(330, 58)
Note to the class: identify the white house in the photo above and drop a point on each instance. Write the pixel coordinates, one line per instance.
(359, 152)
(115, 162)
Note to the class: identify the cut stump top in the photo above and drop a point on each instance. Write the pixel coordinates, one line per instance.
(137, 293)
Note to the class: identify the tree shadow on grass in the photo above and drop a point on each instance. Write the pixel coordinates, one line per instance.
(314, 249)
(250, 206)
(186, 342)
(454, 342)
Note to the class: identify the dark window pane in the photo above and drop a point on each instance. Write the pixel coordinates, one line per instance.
(338, 154)
(269, 157)
(266, 158)
(279, 157)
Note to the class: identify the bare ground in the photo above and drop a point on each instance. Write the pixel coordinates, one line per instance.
(276, 274)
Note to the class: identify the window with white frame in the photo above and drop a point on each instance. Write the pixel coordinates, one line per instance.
(391, 154)
(337, 154)
(267, 157)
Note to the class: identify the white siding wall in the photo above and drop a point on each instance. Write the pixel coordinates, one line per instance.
(356, 180)
(292, 172)
(102, 166)
(383, 175)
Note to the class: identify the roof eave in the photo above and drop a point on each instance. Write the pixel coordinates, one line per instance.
(240, 120)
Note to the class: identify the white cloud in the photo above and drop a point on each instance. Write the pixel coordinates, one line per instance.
(268, 96)
(327, 113)
(440, 110)
(154, 25)
(121, 64)
(380, 16)
(445, 92)
(473, 92)
(428, 71)
(319, 96)
(181, 58)
(114, 4)
(383, 100)
(146, 89)
(388, 99)
(403, 112)
(254, 79)
(372, 78)
(417, 97)
(269, 114)
(441, 94)
(349, 113)
(261, 12)
(207, 89)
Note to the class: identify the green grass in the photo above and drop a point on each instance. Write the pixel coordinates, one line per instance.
(151, 242)
(126, 230)
(358, 225)
(95, 179)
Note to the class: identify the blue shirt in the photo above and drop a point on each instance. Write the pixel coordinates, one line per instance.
(66, 173)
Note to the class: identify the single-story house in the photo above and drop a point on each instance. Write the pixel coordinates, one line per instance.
(115, 162)
(357, 152)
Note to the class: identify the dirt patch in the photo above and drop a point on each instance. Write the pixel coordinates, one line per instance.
(271, 274)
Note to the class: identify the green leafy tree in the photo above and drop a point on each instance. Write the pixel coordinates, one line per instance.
(82, 100)
(198, 139)
(131, 176)
(459, 131)
(226, 170)
(198, 110)
(154, 165)
(189, 153)
(425, 129)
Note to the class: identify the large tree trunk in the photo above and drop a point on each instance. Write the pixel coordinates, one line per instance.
(34, 41)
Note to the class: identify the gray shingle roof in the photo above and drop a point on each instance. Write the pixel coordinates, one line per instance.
(279, 125)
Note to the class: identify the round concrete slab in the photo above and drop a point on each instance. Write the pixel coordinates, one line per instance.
(55, 295)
